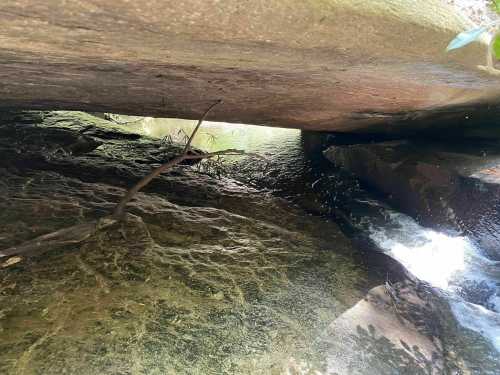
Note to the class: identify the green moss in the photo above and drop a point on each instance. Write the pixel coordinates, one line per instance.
(495, 4)
(496, 47)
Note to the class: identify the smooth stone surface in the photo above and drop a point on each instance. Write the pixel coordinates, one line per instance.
(405, 329)
(382, 334)
(364, 66)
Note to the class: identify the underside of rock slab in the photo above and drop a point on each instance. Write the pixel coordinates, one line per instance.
(371, 66)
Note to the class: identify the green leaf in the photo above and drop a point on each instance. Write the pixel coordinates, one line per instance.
(495, 4)
(496, 47)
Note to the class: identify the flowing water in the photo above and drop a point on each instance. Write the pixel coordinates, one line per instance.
(247, 273)
(448, 261)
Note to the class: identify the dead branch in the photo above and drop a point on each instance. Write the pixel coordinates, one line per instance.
(120, 208)
(67, 236)
(81, 232)
(187, 148)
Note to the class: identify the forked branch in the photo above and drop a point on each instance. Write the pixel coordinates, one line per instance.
(120, 208)
(80, 232)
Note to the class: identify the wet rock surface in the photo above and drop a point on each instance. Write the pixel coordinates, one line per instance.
(443, 185)
(206, 275)
(394, 328)
(187, 290)
(405, 328)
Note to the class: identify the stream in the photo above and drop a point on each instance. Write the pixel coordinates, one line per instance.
(296, 170)
(254, 265)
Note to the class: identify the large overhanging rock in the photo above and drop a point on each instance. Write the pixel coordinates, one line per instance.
(344, 65)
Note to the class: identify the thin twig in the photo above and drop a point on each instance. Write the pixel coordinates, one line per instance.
(187, 148)
(120, 208)
(208, 155)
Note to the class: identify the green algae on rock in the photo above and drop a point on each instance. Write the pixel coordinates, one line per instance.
(226, 280)
(206, 275)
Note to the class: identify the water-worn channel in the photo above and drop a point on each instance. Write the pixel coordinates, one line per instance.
(264, 269)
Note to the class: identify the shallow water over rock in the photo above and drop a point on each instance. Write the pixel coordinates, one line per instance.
(206, 276)
(242, 283)
(451, 262)
(188, 287)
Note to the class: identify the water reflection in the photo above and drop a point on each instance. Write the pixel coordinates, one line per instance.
(252, 289)
(208, 277)
(444, 260)
(213, 136)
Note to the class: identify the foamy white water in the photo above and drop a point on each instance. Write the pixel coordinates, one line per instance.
(448, 262)
(478, 319)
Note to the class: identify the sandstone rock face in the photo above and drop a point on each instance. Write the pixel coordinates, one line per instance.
(365, 66)
(210, 276)
(384, 333)
(404, 328)
(441, 185)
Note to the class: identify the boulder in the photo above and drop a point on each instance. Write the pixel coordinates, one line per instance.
(405, 328)
(358, 66)
(442, 185)
(384, 333)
